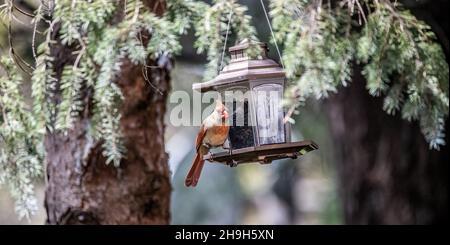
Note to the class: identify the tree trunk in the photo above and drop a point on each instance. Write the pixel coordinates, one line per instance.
(388, 174)
(81, 188)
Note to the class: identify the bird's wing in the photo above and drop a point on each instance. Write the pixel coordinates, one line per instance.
(200, 136)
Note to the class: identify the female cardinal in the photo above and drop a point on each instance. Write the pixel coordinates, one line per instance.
(213, 133)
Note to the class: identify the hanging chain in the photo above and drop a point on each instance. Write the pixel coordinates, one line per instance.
(226, 38)
(271, 31)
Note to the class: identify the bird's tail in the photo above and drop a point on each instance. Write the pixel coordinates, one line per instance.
(194, 173)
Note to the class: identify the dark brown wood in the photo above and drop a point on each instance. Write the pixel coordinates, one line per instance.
(263, 154)
(81, 188)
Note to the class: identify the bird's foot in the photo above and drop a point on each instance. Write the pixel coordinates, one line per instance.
(227, 148)
(232, 163)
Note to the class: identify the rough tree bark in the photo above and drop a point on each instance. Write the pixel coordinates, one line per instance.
(387, 173)
(81, 188)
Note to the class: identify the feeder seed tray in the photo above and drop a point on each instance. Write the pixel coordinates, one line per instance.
(264, 154)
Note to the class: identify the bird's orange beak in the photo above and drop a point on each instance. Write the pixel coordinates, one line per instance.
(225, 114)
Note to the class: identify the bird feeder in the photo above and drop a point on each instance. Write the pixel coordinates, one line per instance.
(258, 132)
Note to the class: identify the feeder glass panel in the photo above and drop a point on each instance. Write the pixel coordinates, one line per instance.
(269, 113)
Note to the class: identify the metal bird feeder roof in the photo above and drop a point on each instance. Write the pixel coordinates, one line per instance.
(258, 132)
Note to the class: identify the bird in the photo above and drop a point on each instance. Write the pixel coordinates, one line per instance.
(213, 133)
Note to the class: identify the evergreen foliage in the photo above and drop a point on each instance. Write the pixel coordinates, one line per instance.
(400, 58)
(399, 54)
(210, 24)
(21, 149)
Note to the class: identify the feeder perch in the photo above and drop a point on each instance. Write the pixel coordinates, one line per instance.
(257, 131)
